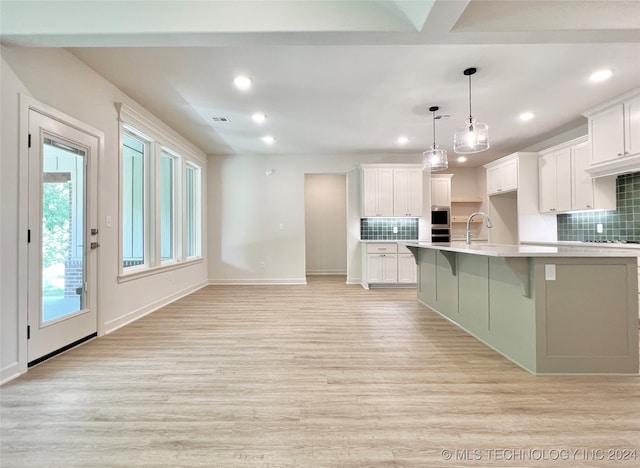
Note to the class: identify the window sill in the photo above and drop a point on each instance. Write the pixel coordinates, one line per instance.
(134, 275)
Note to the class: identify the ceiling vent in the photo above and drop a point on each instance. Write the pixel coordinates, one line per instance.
(221, 119)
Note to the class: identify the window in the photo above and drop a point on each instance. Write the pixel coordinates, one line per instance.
(160, 200)
(133, 200)
(192, 210)
(167, 197)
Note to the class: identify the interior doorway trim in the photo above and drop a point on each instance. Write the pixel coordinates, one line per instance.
(27, 104)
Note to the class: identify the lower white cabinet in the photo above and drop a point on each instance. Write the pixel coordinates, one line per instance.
(383, 268)
(388, 263)
(407, 270)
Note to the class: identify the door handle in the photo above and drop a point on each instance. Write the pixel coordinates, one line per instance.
(94, 245)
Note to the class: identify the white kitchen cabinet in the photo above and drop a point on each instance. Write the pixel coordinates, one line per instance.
(441, 189)
(377, 192)
(582, 182)
(383, 268)
(503, 177)
(388, 263)
(614, 130)
(407, 192)
(566, 185)
(407, 269)
(392, 191)
(555, 181)
(515, 213)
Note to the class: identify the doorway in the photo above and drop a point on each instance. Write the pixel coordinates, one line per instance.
(62, 237)
(325, 198)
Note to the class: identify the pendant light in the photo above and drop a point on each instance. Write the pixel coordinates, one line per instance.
(435, 159)
(474, 136)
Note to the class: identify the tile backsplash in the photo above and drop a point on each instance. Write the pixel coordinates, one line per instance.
(623, 224)
(382, 228)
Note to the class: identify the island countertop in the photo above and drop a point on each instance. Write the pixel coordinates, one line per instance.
(508, 250)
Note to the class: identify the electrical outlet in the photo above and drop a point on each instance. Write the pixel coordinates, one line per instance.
(395, 229)
(263, 265)
(599, 228)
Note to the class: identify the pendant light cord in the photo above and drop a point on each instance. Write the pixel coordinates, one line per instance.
(434, 129)
(470, 116)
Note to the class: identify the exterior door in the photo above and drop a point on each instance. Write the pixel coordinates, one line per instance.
(62, 237)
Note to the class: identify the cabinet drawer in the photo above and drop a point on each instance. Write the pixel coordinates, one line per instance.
(382, 248)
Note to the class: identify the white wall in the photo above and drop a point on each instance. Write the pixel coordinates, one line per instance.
(246, 207)
(58, 79)
(325, 199)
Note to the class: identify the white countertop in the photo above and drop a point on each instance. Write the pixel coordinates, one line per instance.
(505, 250)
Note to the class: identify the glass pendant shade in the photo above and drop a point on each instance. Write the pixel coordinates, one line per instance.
(435, 159)
(472, 138)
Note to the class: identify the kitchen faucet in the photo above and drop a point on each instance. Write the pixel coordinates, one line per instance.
(487, 222)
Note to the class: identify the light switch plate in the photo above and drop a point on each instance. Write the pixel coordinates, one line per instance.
(599, 228)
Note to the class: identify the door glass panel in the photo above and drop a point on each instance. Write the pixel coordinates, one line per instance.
(63, 229)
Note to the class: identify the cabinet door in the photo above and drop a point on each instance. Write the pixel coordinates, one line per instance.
(509, 176)
(389, 268)
(632, 126)
(414, 189)
(581, 181)
(440, 191)
(407, 189)
(547, 182)
(382, 268)
(563, 180)
(385, 192)
(400, 192)
(374, 268)
(606, 131)
(493, 180)
(369, 193)
(407, 269)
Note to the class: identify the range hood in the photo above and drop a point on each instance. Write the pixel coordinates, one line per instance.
(626, 165)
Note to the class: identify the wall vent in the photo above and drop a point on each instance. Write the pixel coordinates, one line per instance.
(221, 119)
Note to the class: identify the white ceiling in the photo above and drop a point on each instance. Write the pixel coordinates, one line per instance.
(348, 76)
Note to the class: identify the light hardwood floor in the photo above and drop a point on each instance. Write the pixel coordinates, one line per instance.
(307, 376)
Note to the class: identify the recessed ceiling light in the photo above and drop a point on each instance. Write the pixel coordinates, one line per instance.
(601, 75)
(258, 117)
(242, 82)
(268, 139)
(527, 116)
(403, 140)
(462, 159)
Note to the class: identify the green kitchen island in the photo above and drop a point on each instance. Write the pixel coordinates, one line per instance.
(551, 310)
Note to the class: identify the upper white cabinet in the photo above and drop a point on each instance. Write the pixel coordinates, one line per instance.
(391, 191)
(565, 184)
(441, 189)
(515, 213)
(614, 131)
(407, 192)
(377, 192)
(503, 176)
(554, 178)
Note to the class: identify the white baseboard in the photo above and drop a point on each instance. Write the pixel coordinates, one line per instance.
(256, 281)
(134, 315)
(9, 372)
(326, 272)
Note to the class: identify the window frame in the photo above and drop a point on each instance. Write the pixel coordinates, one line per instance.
(196, 209)
(160, 140)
